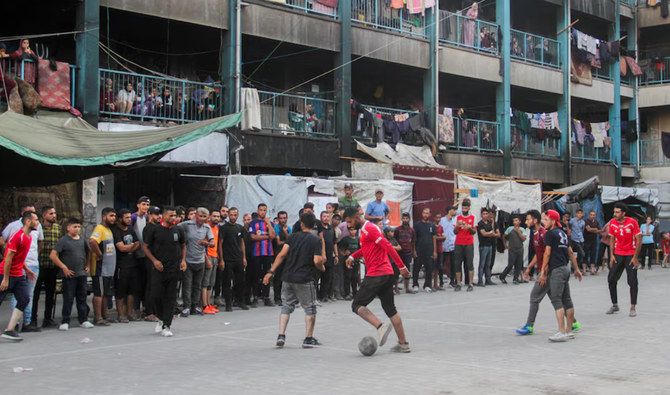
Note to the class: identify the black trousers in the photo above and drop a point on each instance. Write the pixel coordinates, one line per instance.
(515, 260)
(164, 293)
(427, 263)
(145, 267)
(257, 268)
(232, 281)
(217, 290)
(326, 284)
(623, 262)
(74, 288)
(647, 251)
(277, 281)
(47, 279)
(351, 277)
(578, 247)
(601, 254)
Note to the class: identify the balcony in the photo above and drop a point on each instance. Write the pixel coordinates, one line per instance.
(652, 153)
(386, 112)
(475, 135)
(588, 153)
(379, 14)
(157, 99)
(628, 152)
(461, 31)
(309, 7)
(535, 49)
(657, 73)
(297, 115)
(530, 145)
(605, 73)
(27, 71)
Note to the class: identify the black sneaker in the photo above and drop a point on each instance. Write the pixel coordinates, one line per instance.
(502, 280)
(243, 306)
(229, 307)
(470, 288)
(516, 282)
(13, 335)
(267, 302)
(281, 339)
(310, 342)
(480, 284)
(278, 302)
(457, 287)
(489, 282)
(30, 328)
(49, 324)
(254, 303)
(197, 311)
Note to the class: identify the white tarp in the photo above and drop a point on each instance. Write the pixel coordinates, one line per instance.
(371, 170)
(663, 188)
(401, 155)
(364, 192)
(614, 194)
(507, 195)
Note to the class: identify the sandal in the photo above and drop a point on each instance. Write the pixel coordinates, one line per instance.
(151, 318)
(101, 322)
(124, 320)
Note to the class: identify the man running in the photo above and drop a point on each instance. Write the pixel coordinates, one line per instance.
(301, 252)
(625, 247)
(379, 279)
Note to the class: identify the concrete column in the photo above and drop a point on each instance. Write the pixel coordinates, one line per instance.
(231, 59)
(615, 108)
(431, 75)
(563, 105)
(343, 83)
(87, 88)
(503, 91)
(633, 112)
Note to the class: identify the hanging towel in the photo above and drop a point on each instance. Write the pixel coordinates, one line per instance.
(634, 67)
(622, 66)
(251, 109)
(598, 138)
(397, 4)
(415, 6)
(445, 128)
(581, 132)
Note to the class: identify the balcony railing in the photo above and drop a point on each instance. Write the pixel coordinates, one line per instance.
(527, 144)
(475, 135)
(157, 99)
(657, 73)
(379, 14)
(301, 115)
(588, 153)
(652, 153)
(362, 134)
(27, 70)
(535, 49)
(628, 152)
(459, 30)
(310, 7)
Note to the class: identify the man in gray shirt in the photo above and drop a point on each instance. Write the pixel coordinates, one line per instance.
(578, 225)
(513, 238)
(198, 237)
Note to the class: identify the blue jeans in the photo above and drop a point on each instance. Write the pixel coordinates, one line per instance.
(485, 255)
(28, 312)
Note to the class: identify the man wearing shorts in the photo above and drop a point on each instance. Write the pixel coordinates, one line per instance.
(626, 242)
(102, 245)
(12, 278)
(198, 236)
(379, 279)
(301, 252)
(126, 279)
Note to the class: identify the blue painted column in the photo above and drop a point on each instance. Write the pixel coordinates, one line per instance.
(633, 113)
(343, 82)
(563, 105)
(503, 90)
(231, 62)
(615, 108)
(431, 75)
(87, 94)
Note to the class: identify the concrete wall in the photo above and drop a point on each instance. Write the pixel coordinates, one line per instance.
(601, 91)
(583, 171)
(603, 9)
(654, 96)
(547, 170)
(539, 78)
(474, 162)
(647, 17)
(469, 64)
(203, 12)
(655, 173)
(388, 47)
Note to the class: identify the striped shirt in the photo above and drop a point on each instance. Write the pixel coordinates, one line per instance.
(264, 247)
(51, 237)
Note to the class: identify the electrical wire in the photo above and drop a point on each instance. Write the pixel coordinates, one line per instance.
(29, 36)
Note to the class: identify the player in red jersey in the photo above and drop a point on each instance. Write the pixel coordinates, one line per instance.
(624, 247)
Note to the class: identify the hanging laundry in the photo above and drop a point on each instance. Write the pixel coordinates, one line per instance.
(634, 67)
(397, 4)
(323, 8)
(580, 132)
(415, 6)
(595, 60)
(328, 3)
(555, 124)
(400, 117)
(581, 72)
(597, 133)
(447, 112)
(445, 128)
(429, 4)
(415, 122)
(622, 66)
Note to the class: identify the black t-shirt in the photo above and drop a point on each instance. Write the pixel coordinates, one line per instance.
(424, 237)
(329, 243)
(229, 240)
(558, 241)
(124, 260)
(165, 244)
(299, 261)
(485, 240)
(590, 236)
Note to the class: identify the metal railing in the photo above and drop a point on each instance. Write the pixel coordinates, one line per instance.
(476, 135)
(603, 73)
(310, 7)
(27, 70)
(459, 30)
(535, 49)
(379, 14)
(529, 144)
(651, 153)
(656, 73)
(630, 3)
(366, 134)
(628, 152)
(589, 153)
(293, 114)
(157, 99)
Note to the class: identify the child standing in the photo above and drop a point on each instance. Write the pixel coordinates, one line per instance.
(665, 245)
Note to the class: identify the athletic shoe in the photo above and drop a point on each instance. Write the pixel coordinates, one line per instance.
(166, 332)
(229, 307)
(415, 290)
(570, 335)
(184, 313)
(254, 303)
(281, 339)
(441, 288)
(278, 302)
(632, 313)
(197, 311)
(48, 324)
(502, 279)
(268, 302)
(219, 301)
(383, 333)
(457, 287)
(576, 326)
(401, 347)
(470, 288)
(310, 342)
(87, 325)
(428, 290)
(612, 310)
(208, 310)
(523, 281)
(558, 337)
(11, 335)
(515, 282)
(489, 282)
(242, 306)
(30, 328)
(480, 284)
(159, 327)
(525, 330)
(64, 327)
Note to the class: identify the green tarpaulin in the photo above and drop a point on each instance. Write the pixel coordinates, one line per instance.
(38, 152)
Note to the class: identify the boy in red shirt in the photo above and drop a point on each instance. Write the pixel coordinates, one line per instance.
(625, 247)
(665, 244)
(438, 273)
(12, 278)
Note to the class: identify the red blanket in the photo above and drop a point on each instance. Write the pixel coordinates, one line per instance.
(54, 86)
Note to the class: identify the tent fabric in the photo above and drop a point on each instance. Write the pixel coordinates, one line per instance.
(402, 154)
(584, 190)
(371, 170)
(663, 188)
(433, 187)
(611, 194)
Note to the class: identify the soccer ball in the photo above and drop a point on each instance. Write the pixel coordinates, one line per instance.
(367, 346)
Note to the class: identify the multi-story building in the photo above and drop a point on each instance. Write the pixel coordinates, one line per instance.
(314, 57)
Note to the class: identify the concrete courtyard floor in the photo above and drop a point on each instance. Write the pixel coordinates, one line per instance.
(461, 343)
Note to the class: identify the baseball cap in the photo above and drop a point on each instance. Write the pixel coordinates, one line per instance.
(348, 185)
(155, 210)
(143, 199)
(553, 214)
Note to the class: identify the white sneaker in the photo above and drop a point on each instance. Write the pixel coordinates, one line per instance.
(415, 290)
(159, 327)
(87, 325)
(383, 333)
(167, 332)
(64, 327)
(428, 290)
(570, 335)
(558, 337)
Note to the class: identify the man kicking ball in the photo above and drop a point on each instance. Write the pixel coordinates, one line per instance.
(379, 278)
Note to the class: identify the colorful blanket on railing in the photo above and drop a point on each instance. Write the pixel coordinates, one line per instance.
(54, 85)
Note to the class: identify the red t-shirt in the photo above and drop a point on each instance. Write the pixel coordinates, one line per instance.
(19, 243)
(666, 246)
(464, 237)
(440, 233)
(538, 245)
(375, 250)
(624, 234)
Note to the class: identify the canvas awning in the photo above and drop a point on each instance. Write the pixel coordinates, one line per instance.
(39, 152)
(406, 155)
